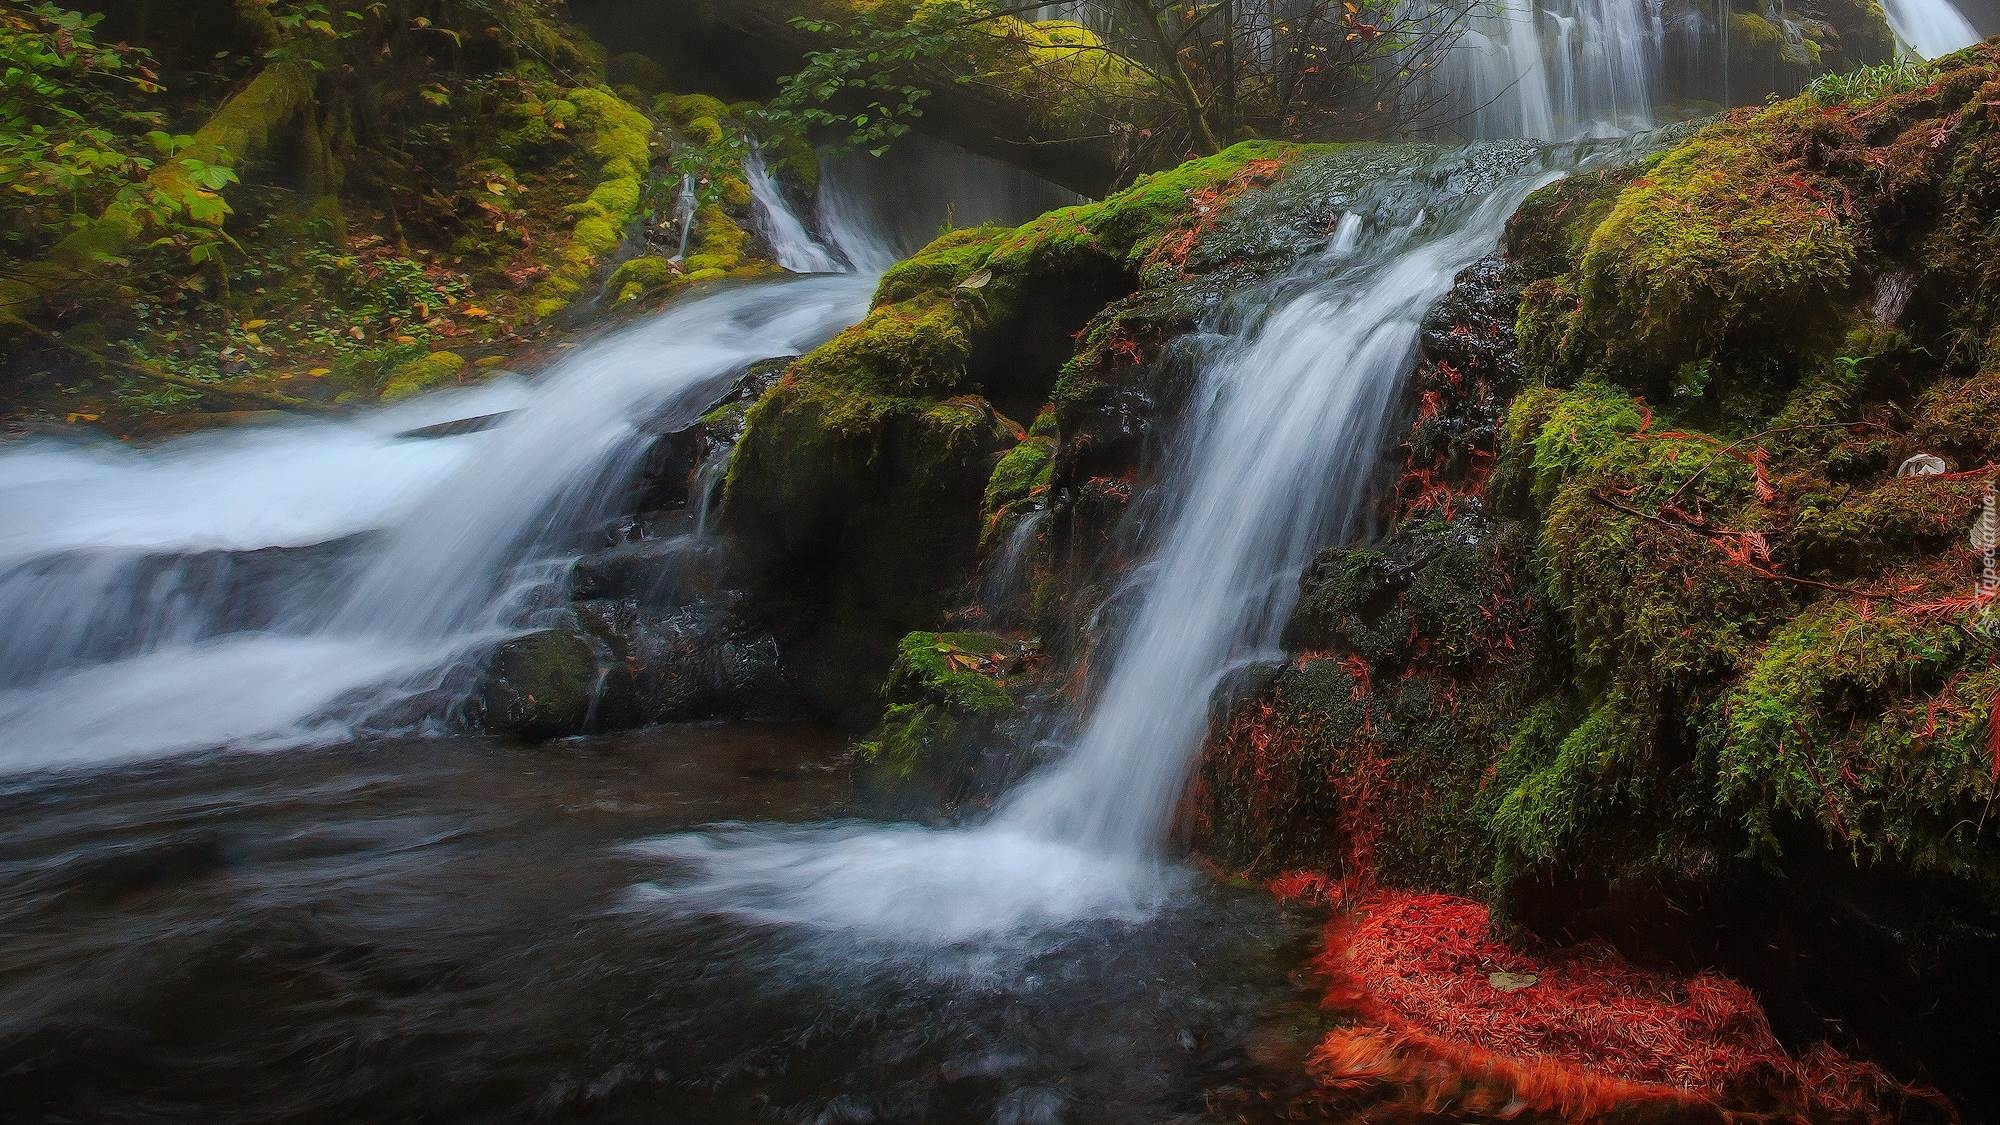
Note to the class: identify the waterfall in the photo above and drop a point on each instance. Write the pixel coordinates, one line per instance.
(794, 248)
(1293, 400)
(1929, 27)
(284, 584)
(274, 585)
(1554, 69)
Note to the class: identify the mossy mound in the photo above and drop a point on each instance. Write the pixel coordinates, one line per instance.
(1675, 655)
(860, 483)
(945, 695)
(419, 375)
(620, 142)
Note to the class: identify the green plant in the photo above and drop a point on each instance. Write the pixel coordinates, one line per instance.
(1866, 84)
(72, 142)
(861, 87)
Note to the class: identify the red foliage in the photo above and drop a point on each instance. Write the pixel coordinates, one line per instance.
(1575, 1032)
(1993, 735)
(1174, 249)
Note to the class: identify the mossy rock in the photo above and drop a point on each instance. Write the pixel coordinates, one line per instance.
(539, 686)
(618, 139)
(944, 700)
(641, 277)
(424, 374)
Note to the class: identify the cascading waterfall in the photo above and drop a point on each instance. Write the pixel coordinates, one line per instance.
(1274, 461)
(285, 584)
(1554, 69)
(791, 244)
(418, 553)
(1929, 27)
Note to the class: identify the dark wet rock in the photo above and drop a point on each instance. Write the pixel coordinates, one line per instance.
(456, 426)
(542, 684)
(694, 662)
(663, 573)
(682, 447)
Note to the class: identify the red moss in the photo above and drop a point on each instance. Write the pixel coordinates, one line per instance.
(1591, 1033)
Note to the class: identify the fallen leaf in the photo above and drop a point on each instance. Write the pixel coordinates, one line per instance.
(1512, 982)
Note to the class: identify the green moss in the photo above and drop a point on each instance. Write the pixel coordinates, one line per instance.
(1022, 473)
(682, 110)
(1874, 726)
(943, 689)
(1727, 248)
(424, 374)
(1551, 229)
(639, 277)
(954, 258)
(539, 685)
(1753, 33)
(1958, 418)
(618, 140)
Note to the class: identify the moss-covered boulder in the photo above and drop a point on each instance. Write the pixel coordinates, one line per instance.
(425, 373)
(620, 143)
(946, 701)
(859, 487)
(541, 685)
(1673, 654)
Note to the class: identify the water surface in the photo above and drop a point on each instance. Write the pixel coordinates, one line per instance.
(452, 930)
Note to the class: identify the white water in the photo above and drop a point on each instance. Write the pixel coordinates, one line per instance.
(132, 657)
(1929, 27)
(270, 586)
(791, 244)
(1555, 69)
(1274, 463)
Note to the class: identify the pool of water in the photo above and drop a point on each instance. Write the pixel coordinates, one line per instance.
(452, 930)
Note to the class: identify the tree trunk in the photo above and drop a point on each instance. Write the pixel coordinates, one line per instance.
(243, 127)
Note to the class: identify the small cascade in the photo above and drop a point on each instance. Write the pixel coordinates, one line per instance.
(684, 209)
(791, 244)
(1280, 442)
(1555, 70)
(1929, 28)
(275, 585)
(1006, 576)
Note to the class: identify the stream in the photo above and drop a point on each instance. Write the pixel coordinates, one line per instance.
(455, 931)
(253, 867)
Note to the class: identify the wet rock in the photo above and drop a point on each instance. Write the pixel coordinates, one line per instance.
(663, 573)
(694, 662)
(542, 684)
(682, 446)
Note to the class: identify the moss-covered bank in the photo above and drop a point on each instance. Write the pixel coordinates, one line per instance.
(1661, 644)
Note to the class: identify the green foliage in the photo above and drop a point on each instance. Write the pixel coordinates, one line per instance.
(74, 141)
(1865, 85)
(859, 85)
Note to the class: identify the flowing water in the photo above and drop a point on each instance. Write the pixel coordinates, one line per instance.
(441, 932)
(303, 583)
(1555, 69)
(1929, 27)
(382, 927)
(1295, 393)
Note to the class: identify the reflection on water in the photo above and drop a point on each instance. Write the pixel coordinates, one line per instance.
(445, 931)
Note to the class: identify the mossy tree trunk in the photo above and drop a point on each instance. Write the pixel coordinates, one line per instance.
(243, 127)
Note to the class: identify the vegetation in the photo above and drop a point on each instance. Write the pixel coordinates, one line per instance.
(343, 188)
